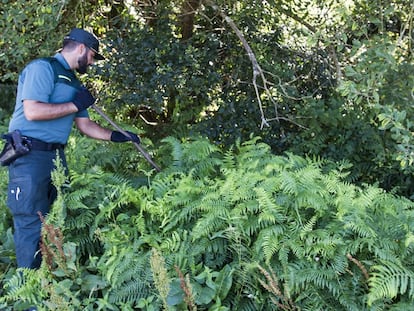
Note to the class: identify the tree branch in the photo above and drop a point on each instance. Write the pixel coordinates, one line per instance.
(257, 70)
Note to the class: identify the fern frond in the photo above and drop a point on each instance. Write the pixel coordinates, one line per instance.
(229, 162)
(130, 291)
(25, 285)
(321, 242)
(323, 279)
(252, 148)
(389, 280)
(171, 244)
(368, 196)
(288, 183)
(270, 212)
(212, 222)
(270, 241)
(309, 225)
(161, 186)
(177, 150)
(82, 220)
(86, 243)
(358, 226)
(73, 198)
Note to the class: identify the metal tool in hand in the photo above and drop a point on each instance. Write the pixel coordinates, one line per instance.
(137, 145)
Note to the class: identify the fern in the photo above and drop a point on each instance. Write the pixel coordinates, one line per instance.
(81, 217)
(24, 286)
(130, 291)
(271, 240)
(177, 151)
(331, 244)
(270, 213)
(211, 222)
(325, 279)
(289, 183)
(229, 163)
(389, 280)
(128, 275)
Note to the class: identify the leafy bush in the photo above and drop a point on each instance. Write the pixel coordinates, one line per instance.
(240, 229)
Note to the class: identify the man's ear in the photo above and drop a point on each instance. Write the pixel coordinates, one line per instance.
(81, 48)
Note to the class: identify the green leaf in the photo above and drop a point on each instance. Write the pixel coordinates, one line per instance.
(176, 294)
(203, 294)
(224, 281)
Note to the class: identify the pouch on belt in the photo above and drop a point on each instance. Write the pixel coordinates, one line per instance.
(14, 148)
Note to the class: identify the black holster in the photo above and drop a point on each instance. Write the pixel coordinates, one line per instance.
(14, 148)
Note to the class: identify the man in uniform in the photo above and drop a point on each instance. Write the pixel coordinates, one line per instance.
(45, 110)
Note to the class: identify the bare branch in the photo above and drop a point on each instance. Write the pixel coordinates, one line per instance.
(257, 71)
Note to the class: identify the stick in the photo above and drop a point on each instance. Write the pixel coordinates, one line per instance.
(139, 147)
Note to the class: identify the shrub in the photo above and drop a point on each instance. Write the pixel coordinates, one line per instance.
(240, 229)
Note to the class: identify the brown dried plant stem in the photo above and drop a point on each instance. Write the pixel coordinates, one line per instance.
(186, 287)
(359, 264)
(281, 300)
(51, 240)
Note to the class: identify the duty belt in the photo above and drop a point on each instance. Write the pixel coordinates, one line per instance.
(37, 144)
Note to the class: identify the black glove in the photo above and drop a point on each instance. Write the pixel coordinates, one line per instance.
(118, 137)
(83, 99)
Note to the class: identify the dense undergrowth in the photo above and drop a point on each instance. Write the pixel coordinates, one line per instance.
(235, 229)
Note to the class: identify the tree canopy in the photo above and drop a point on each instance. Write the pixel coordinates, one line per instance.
(331, 78)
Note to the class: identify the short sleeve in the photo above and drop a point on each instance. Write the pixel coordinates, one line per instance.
(38, 81)
(82, 114)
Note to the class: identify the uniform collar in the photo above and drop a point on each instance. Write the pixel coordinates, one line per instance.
(62, 60)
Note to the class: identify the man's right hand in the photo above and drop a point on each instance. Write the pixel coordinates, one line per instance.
(83, 99)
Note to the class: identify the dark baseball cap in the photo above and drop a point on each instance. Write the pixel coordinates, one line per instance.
(87, 38)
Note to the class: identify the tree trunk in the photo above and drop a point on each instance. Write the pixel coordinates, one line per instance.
(187, 18)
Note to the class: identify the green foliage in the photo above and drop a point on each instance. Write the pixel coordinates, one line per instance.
(36, 29)
(28, 31)
(216, 216)
(373, 66)
(333, 86)
(339, 77)
(166, 81)
(389, 280)
(204, 85)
